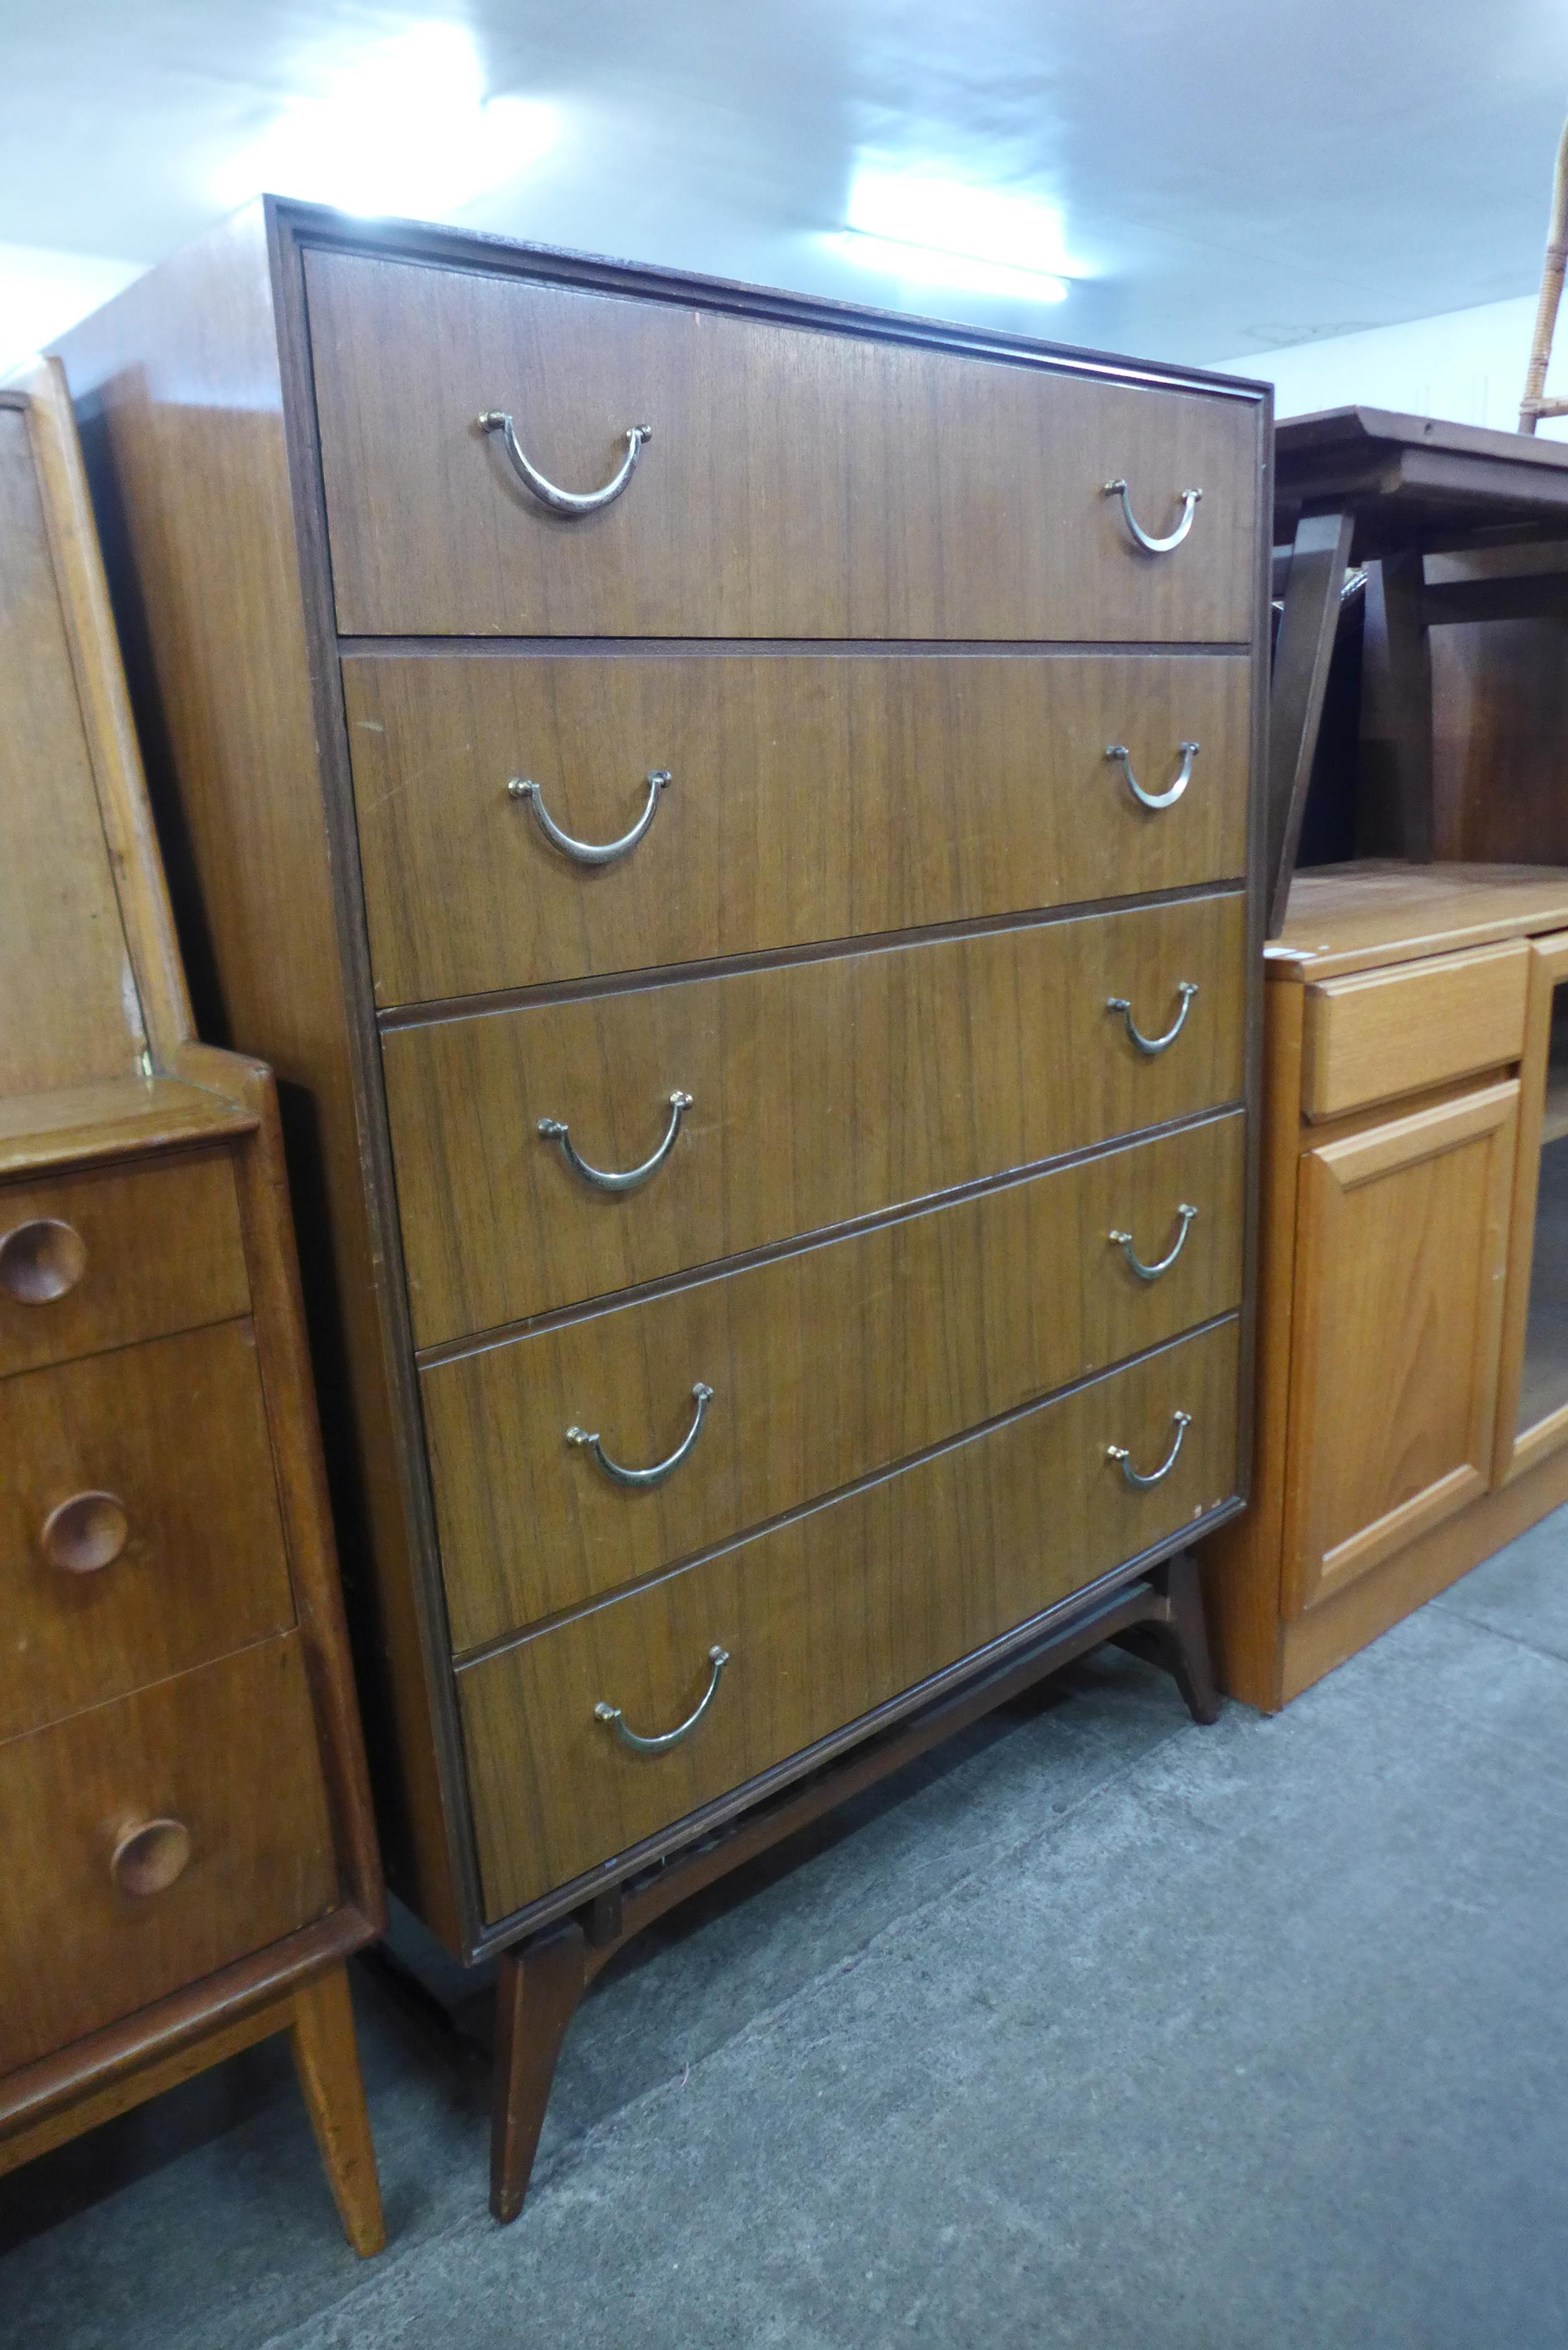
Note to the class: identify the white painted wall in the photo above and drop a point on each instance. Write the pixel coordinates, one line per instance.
(42, 293)
(1467, 367)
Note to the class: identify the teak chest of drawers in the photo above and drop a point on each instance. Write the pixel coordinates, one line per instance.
(763, 942)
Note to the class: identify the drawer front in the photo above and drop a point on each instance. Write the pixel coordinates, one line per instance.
(227, 1755)
(812, 797)
(139, 1522)
(1379, 1034)
(827, 1618)
(115, 1253)
(824, 1366)
(797, 482)
(821, 1090)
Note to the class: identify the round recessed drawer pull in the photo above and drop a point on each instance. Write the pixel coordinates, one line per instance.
(41, 1260)
(1123, 1240)
(85, 1533)
(1190, 751)
(1118, 489)
(612, 1715)
(701, 1396)
(554, 1130)
(1182, 1421)
(1186, 989)
(584, 852)
(150, 1857)
(566, 502)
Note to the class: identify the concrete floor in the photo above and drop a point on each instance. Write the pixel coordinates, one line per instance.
(1096, 2029)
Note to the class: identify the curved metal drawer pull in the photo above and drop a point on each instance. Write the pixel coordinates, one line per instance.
(567, 502)
(554, 1130)
(1186, 989)
(583, 852)
(1153, 799)
(1152, 1272)
(1182, 1421)
(701, 1396)
(1118, 489)
(717, 1657)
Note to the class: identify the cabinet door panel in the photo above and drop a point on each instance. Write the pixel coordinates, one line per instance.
(1401, 1243)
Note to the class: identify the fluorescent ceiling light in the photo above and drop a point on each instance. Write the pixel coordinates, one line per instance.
(406, 128)
(950, 232)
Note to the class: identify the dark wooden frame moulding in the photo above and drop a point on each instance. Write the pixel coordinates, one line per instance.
(1113, 1604)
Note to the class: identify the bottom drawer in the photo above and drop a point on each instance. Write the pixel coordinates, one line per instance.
(829, 1616)
(218, 1770)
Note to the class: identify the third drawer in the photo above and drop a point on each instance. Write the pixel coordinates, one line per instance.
(820, 1091)
(830, 1615)
(825, 1365)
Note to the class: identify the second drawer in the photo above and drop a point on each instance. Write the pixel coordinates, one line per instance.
(138, 1521)
(819, 1091)
(824, 1365)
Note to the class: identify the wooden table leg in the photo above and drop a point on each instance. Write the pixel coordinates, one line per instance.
(538, 1988)
(1395, 812)
(1185, 1636)
(1301, 656)
(327, 2059)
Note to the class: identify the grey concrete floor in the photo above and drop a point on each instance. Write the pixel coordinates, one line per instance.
(1094, 2028)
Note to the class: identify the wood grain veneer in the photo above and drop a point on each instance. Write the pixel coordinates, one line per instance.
(772, 446)
(163, 1248)
(175, 1431)
(825, 1365)
(827, 1615)
(1380, 1033)
(822, 1090)
(229, 1750)
(816, 794)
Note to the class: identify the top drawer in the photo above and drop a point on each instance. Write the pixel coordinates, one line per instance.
(112, 1254)
(1379, 1034)
(797, 482)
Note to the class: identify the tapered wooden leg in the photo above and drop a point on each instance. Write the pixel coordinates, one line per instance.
(536, 1992)
(1184, 1637)
(327, 2059)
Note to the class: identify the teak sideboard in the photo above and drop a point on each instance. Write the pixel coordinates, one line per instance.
(732, 817)
(1413, 1329)
(185, 1810)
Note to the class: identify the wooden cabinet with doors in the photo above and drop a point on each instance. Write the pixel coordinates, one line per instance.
(1413, 1404)
(184, 1812)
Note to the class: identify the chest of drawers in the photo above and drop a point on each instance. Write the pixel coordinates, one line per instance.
(734, 816)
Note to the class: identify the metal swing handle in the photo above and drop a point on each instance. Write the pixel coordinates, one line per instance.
(585, 852)
(1153, 1271)
(1182, 1421)
(559, 501)
(554, 1129)
(1186, 989)
(604, 1711)
(640, 1479)
(1155, 799)
(1190, 498)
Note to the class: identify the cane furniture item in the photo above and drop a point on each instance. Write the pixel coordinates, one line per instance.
(188, 1850)
(1413, 1333)
(746, 859)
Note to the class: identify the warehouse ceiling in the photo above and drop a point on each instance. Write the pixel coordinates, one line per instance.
(1185, 179)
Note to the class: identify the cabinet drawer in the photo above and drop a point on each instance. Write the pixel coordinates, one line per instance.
(812, 796)
(820, 1090)
(827, 1618)
(138, 1521)
(114, 1254)
(1379, 1034)
(227, 1755)
(797, 484)
(824, 1366)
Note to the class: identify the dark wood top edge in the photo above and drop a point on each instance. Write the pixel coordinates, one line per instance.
(318, 227)
(472, 1659)
(589, 1309)
(1359, 427)
(439, 1011)
(979, 1665)
(776, 648)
